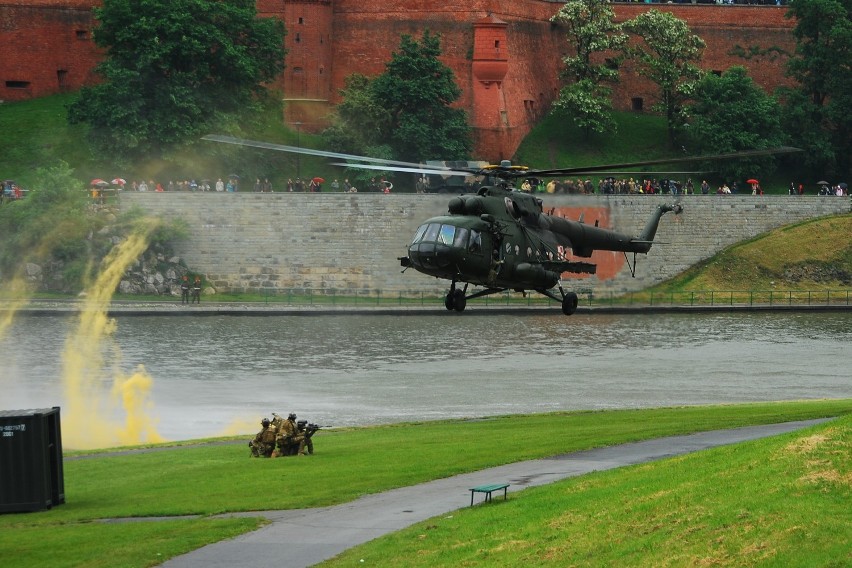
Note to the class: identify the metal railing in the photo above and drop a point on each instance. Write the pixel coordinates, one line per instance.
(699, 298)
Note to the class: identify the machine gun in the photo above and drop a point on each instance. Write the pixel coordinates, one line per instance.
(307, 428)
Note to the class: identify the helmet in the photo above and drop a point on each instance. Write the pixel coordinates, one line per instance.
(291, 416)
(265, 421)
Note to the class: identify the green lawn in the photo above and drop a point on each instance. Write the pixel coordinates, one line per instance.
(36, 134)
(214, 477)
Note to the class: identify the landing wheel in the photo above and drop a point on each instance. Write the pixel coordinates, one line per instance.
(569, 303)
(459, 301)
(449, 300)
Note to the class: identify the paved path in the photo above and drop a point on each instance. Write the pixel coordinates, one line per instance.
(304, 537)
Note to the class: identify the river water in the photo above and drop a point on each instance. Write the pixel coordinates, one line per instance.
(220, 374)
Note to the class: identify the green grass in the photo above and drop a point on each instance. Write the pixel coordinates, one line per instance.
(814, 255)
(214, 478)
(776, 502)
(36, 134)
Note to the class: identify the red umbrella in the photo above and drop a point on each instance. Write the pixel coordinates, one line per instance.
(752, 181)
(97, 182)
(119, 181)
(318, 180)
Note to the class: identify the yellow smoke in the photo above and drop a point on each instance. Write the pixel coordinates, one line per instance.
(16, 296)
(240, 426)
(91, 420)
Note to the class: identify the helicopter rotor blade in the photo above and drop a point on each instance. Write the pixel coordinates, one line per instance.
(321, 153)
(661, 161)
(402, 169)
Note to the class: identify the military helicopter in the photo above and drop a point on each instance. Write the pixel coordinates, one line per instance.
(500, 238)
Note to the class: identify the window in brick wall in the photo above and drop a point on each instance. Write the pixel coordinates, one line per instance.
(61, 75)
(17, 84)
(298, 38)
(82, 34)
(716, 72)
(301, 21)
(637, 104)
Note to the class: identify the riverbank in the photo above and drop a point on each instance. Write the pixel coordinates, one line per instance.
(209, 480)
(213, 308)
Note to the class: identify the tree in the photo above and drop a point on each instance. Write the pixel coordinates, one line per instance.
(665, 54)
(174, 68)
(730, 114)
(417, 89)
(405, 109)
(817, 113)
(591, 31)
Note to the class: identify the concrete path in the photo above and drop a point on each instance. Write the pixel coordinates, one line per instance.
(304, 537)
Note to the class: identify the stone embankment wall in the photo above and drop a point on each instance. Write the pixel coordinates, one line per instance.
(338, 242)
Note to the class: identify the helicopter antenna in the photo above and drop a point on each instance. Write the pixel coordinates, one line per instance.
(632, 267)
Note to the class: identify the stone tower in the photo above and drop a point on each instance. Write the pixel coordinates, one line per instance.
(307, 79)
(490, 115)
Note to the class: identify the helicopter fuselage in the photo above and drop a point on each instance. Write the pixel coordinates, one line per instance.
(501, 239)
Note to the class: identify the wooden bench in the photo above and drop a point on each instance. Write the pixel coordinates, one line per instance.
(487, 489)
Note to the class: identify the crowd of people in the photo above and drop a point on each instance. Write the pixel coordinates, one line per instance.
(652, 186)
(261, 185)
(603, 186)
(279, 437)
(9, 191)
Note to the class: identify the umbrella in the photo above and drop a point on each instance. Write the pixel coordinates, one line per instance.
(823, 183)
(234, 176)
(843, 185)
(752, 181)
(318, 180)
(119, 181)
(99, 183)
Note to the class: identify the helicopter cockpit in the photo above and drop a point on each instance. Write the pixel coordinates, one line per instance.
(441, 244)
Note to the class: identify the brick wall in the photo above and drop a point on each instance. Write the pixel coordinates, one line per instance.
(249, 241)
(48, 42)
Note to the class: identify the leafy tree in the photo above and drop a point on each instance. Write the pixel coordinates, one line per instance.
(591, 32)
(52, 222)
(174, 68)
(417, 89)
(817, 113)
(362, 120)
(406, 108)
(730, 114)
(665, 54)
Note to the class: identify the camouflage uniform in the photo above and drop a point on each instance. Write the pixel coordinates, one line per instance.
(290, 441)
(264, 442)
(302, 425)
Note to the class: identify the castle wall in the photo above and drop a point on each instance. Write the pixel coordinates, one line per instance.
(338, 241)
(47, 48)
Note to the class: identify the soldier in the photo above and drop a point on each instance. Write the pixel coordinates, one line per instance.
(308, 431)
(196, 290)
(184, 290)
(264, 442)
(290, 441)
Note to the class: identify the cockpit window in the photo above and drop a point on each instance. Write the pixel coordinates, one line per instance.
(475, 241)
(418, 236)
(431, 234)
(446, 235)
(461, 238)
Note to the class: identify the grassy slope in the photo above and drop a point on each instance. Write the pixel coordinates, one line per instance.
(36, 134)
(811, 255)
(216, 478)
(774, 502)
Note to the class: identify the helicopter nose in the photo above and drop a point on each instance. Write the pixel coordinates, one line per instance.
(430, 255)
